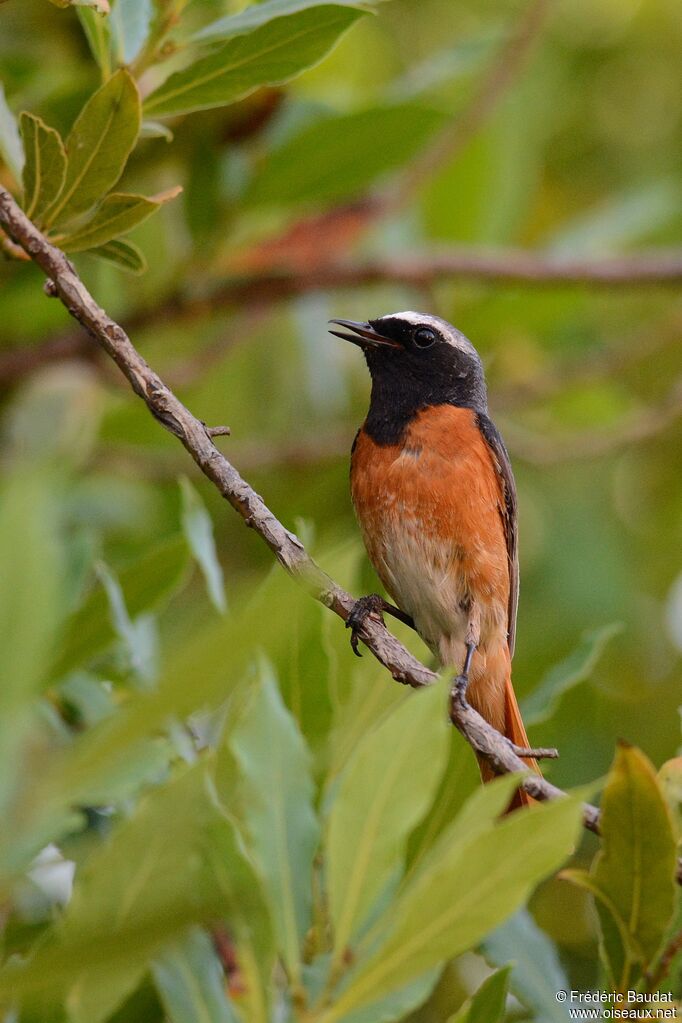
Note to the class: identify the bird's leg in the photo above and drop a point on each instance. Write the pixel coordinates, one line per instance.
(366, 606)
(471, 641)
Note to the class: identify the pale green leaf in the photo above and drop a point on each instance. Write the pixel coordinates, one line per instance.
(98, 146)
(123, 254)
(397, 1004)
(101, 7)
(271, 54)
(384, 792)
(117, 214)
(136, 641)
(11, 149)
(145, 585)
(190, 981)
(130, 23)
(277, 794)
(198, 529)
(340, 156)
(460, 894)
(578, 666)
(537, 973)
(635, 868)
(44, 166)
(488, 1004)
(259, 14)
(96, 29)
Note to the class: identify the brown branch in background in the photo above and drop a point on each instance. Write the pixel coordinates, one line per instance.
(261, 289)
(286, 547)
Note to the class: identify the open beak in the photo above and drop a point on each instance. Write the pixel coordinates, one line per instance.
(363, 335)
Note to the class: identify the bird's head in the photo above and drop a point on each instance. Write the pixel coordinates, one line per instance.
(418, 358)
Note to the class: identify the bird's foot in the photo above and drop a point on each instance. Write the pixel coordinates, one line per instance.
(360, 612)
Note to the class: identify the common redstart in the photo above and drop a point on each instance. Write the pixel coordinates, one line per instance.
(435, 497)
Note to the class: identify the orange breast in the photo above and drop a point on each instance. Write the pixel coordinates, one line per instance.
(429, 510)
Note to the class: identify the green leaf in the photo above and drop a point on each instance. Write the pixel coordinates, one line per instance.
(11, 149)
(577, 667)
(98, 146)
(537, 973)
(144, 584)
(397, 1004)
(139, 646)
(635, 868)
(271, 54)
(277, 796)
(44, 167)
(488, 1004)
(368, 827)
(259, 14)
(198, 529)
(30, 611)
(130, 23)
(339, 156)
(190, 981)
(467, 885)
(148, 883)
(99, 6)
(96, 29)
(116, 214)
(123, 254)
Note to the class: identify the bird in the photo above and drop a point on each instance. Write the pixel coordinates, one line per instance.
(435, 497)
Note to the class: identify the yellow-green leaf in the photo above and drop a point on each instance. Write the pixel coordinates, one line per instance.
(269, 55)
(488, 1004)
(44, 166)
(117, 214)
(635, 868)
(384, 792)
(461, 893)
(98, 146)
(670, 780)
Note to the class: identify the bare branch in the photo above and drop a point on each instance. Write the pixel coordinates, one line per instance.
(286, 547)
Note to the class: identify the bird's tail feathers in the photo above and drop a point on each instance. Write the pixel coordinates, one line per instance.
(514, 729)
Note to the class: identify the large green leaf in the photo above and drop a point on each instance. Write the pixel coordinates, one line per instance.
(397, 1004)
(98, 146)
(386, 789)
(537, 973)
(44, 167)
(190, 981)
(488, 1004)
(271, 54)
(137, 891)
(11, 149)
(30, 610)
(277, 794)
(259, 14)
(635, 868)
(145, 584)
(117, 214)
(339, 156)
(476, 876)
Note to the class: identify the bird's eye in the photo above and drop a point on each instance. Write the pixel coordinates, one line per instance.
(424, 337)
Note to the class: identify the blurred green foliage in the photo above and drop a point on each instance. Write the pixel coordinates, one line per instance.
(261, 827)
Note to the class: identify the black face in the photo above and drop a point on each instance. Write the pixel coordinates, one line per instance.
(415, 364)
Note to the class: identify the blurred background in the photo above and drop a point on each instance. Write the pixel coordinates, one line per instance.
(435, 133)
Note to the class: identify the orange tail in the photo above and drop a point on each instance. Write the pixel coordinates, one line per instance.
(513, 729)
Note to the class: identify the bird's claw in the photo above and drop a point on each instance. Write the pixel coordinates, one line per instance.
(361, 610)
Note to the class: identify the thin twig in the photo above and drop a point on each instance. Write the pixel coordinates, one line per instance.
(286, 547)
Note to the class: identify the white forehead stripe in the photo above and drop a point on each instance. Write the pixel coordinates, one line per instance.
(453, 336)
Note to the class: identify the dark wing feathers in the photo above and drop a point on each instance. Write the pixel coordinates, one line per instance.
(508, 512)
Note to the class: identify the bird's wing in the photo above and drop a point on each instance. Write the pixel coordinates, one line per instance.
(508, 513)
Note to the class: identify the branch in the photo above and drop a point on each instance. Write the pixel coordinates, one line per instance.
(501, 266)
(286, 547)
